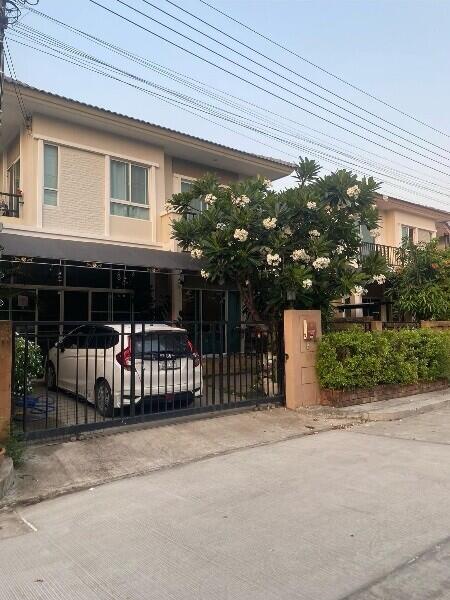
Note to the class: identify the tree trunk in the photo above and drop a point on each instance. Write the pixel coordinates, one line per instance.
(248, 300)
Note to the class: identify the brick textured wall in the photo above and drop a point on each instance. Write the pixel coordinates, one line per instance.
(340, 398)
(81, 195)
(436, 325)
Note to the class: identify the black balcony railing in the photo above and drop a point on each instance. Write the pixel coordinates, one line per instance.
(10, 204)
(390, 253)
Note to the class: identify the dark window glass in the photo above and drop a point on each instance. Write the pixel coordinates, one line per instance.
(160, 343)
(103, 338)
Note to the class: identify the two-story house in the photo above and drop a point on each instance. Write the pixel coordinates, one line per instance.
(399, 220)
(86, 234)
(85, 230)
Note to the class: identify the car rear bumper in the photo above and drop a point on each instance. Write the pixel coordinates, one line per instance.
(157, 396)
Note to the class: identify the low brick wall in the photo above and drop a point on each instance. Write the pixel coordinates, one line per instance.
(341, 398)
(436, 325)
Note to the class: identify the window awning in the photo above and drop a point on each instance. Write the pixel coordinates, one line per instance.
(116, 254)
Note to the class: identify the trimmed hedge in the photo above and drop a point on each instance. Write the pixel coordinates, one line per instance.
(355, 359)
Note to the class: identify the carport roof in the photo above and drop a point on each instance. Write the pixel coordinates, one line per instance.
(117, 254)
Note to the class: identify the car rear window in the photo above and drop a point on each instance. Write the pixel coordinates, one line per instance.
(151, 344)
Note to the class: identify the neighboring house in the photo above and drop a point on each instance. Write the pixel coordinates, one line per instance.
(86, 235)
(399, 220)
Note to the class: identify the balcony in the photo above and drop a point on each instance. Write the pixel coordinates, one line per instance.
(390, 253)
(10, 204)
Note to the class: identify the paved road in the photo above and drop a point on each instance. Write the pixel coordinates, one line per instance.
(362, 514)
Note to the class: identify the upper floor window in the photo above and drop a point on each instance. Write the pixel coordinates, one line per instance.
(129, 190)
(50, 175)
(423, 235)
(407, 233)
(197, 204)
(416, 234)
(365, 234)
(14, 177)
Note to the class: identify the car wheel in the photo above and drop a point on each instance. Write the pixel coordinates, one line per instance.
(103, 399)
(50, 376)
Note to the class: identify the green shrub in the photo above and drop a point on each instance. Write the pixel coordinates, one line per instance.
(33, 365)
(15, 446)
(354, 359)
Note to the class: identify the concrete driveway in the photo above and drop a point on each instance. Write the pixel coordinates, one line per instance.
(361, 513)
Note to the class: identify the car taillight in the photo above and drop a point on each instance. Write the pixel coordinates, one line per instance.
(195, 355)
(124, 357)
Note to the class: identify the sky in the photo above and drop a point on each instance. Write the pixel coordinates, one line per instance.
(396, 50)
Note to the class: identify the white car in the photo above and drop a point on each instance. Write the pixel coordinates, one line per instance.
(102, 364)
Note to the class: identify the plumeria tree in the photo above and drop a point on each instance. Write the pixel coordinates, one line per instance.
(297, 248)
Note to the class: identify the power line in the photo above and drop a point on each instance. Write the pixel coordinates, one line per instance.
(38, 36)
(291, 71)
(10, 13)
(266, 79)
(82, 63)
(10, 64)
(186, 80)
(275, 95)
(316, 66)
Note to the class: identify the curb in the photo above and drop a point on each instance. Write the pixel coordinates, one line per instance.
(376, 414)
(12, 502)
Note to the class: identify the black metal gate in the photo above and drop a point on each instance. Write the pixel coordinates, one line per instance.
(72, 377)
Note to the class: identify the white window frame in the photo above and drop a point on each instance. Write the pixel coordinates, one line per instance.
(432, 233)
(178, 180)
(44, 187)
(414, 230)
(149, 171)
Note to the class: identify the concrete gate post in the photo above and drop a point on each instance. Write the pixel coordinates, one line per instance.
(5, 378)
(302, 330)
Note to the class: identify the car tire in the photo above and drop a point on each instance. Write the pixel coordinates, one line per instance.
(50, 376)
(103, 399)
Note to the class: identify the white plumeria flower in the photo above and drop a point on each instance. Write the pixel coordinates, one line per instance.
(240, 200)
(287, 230)
(328, 210)
(269, 223)
(314, 233)
(273, 260)
(210, 198)
(268, 183)
(353, 192)
(322, 262)
(380, 279)
(353, 263)
(240, 234)
(221, 226)
(196, 253)
(311, 205)
(358, 290)
(307, 283)
(340, 249)
(300, 254)
(204, 274)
